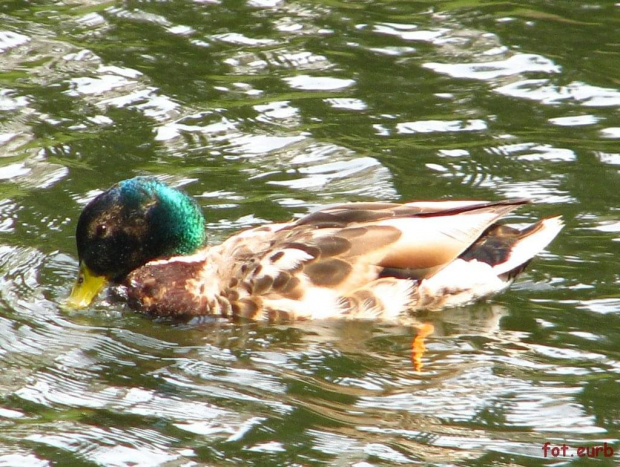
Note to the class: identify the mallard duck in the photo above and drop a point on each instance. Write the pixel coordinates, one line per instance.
(358, 260)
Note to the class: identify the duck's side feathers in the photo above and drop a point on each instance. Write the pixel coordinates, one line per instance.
(383, 298)
(458, 284)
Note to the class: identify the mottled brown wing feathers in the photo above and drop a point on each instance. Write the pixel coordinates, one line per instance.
(346, 214)
(368, 239)
(328, 272)
(342, 246)
(448, 208)
(343, 215)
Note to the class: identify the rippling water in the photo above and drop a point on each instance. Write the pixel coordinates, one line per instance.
(263, 110)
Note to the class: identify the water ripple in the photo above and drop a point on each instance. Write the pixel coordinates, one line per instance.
(548, 93)
(112, 446)
(266, 110)
(491, 70)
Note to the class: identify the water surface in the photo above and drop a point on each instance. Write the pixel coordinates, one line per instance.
(263, 110)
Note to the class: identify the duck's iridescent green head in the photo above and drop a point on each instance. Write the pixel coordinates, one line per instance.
(135, 221)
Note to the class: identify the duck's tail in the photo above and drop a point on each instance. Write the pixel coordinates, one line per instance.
(509, 250)
(488, 266)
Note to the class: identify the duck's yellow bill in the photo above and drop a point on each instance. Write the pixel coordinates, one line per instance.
(86, 288)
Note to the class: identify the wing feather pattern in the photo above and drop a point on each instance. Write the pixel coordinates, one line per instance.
(343, 247)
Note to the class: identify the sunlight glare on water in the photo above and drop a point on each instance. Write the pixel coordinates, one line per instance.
(267, 109)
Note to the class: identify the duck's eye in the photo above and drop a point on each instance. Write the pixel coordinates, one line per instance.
(100, 230)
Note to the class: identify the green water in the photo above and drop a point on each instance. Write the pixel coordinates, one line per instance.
(263, 110)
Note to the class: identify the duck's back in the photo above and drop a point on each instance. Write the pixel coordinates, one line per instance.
(356, 260)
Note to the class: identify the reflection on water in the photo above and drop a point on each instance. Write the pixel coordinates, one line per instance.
(264, 110)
